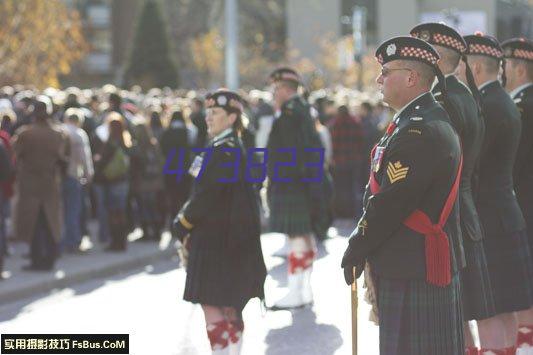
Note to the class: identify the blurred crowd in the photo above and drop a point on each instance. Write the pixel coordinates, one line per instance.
(109, 155)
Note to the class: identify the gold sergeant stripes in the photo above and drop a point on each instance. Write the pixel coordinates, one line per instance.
(396, 172)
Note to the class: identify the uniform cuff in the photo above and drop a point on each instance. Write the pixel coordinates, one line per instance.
(182, 227)
(188, 225)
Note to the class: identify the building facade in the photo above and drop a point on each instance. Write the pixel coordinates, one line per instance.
(386, 18)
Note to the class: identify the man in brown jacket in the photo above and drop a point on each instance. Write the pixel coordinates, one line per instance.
(41, 154)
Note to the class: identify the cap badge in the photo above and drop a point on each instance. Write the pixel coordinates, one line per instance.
(391, 49)
(222, 100)
(424, 35)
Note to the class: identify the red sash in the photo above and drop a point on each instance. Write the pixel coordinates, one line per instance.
(438, 264)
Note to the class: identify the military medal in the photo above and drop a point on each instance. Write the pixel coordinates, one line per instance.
(376, 159)
(196, 166)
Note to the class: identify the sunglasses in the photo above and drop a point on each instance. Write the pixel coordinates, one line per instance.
(386, 71)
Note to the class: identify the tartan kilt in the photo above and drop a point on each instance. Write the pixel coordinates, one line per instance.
(510, 270)
(416, 318)
(290, 208)
(217, 278)
(478, 301)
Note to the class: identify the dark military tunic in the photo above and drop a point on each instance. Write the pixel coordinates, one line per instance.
(416, 166)
(523, 167)
(290, 200)
(506, 245)
(225, 266)
(466, 119)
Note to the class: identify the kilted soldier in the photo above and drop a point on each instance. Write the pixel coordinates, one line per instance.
(518, 53)
(290, 196)
(225, 267)
(408, 236)
(478, 302)
(505, 239)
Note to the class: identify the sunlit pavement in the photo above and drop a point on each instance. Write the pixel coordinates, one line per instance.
(146, 303)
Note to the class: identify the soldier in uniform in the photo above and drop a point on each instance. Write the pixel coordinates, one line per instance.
(518, 53)
(465, 115)
(505, 239)
(408, 234)
(289, 190)
(225, 267)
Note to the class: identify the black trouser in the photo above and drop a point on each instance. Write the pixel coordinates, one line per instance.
(119, 230)
(43, 249)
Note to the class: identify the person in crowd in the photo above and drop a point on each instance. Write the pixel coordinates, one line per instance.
(412, 263)
(41, 152)
(79, 173)
(465, 115)
(371, 134)
(8, 120)
(197, 117)
(177, 142)
(347, 139)
(518, 53)
(290, 185)
(6, 174)
(322, 212)
(156, 124)
(147, 181)
(219, 224)
(111, 178)
(505, 238)
(23, 105)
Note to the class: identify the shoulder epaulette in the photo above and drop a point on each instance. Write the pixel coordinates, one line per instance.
(229, 141)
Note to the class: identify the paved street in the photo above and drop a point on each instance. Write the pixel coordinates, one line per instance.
(146, 303)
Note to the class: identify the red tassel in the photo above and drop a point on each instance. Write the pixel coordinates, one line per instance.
(438, 264)
(438, 258)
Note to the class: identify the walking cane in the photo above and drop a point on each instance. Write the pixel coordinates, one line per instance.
(354, 313)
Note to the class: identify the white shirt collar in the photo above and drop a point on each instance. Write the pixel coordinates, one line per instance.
(518, 89)
(486, 83)
(399, 112)
(222, 134)
(436, 81)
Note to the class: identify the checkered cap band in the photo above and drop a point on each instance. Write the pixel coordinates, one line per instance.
(289, 76)
(214, 101)
(210, 102)
(284, 75)
(419, 53)
(439, 38)
(476, 48)
(523, 54)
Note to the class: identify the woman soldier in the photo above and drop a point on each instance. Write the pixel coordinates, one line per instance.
(225, 266)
